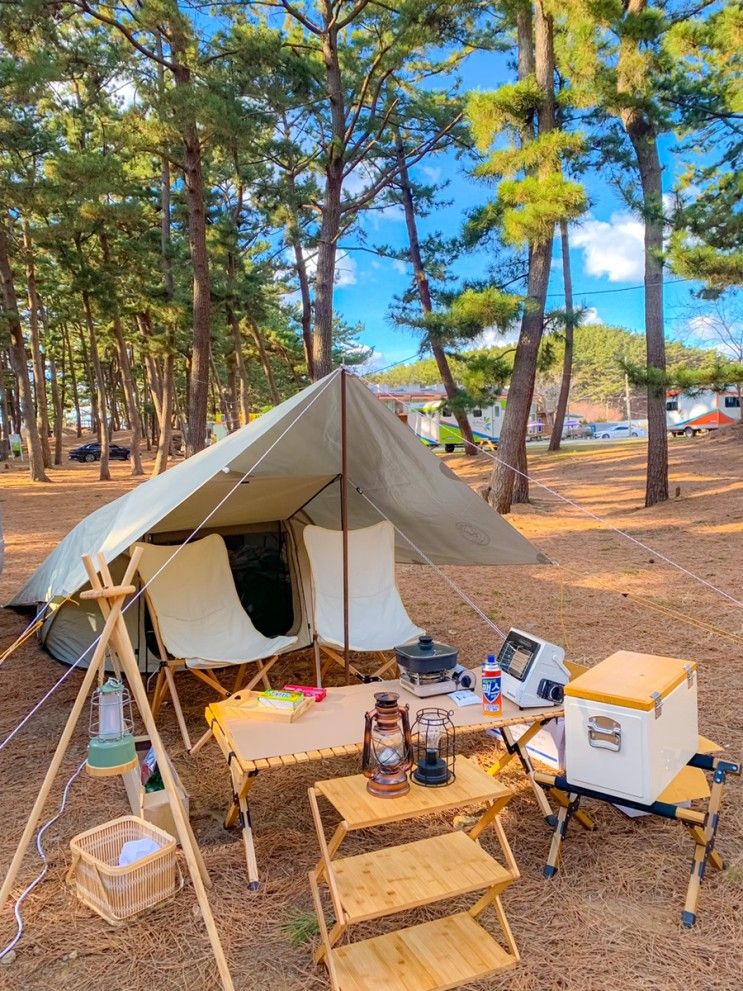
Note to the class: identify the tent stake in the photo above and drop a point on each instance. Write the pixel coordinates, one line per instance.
(344, 523)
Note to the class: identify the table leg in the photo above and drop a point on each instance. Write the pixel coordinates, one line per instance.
(240, 810)
(561, 828)
(519, 748)
(704, 851)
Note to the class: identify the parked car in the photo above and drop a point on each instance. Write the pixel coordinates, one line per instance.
(92, 452)
(619, 430)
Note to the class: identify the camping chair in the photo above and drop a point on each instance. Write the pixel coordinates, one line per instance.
(377, 620)
(199, 622)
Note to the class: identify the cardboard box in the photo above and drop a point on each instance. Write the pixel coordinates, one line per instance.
(153, 806)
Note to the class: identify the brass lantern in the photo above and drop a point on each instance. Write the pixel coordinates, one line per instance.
(388, 751)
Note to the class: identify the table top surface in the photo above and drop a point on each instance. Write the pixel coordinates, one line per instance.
(359, 809)
(338, 722)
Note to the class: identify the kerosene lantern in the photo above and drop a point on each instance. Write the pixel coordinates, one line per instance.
(434, 739)
(388, 753)
(111, 749)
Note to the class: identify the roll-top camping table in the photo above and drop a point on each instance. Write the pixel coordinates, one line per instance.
(334, 728)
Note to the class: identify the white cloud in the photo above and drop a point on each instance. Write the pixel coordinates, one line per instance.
(492, 337)
(708, 330)
(431, 173)
(345, 271)
(591, 316)
(400, 266)
(614, 248)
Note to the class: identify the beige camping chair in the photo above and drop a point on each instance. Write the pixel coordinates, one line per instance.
(199, 621)
(377, 620)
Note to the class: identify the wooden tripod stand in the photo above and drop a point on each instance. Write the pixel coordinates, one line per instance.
(111, 599)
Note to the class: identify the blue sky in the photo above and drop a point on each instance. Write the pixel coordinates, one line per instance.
(606, 250)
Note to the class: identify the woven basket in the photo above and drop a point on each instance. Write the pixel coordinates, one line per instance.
(118, 893)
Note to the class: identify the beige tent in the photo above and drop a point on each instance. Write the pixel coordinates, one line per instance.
(259, 487)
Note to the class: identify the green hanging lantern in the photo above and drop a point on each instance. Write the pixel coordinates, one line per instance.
(111, 750)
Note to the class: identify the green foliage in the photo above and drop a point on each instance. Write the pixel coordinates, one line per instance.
(601, 356)
(532, 206)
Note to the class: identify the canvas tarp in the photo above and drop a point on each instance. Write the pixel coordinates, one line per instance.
(291, 457)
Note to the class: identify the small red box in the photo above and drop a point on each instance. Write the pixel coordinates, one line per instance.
(318, 694)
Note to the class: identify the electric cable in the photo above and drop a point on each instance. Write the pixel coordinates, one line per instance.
(44, 870)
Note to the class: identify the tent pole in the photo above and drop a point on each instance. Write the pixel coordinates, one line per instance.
(344, 523)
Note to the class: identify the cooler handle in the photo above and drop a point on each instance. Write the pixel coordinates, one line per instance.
(604, 733)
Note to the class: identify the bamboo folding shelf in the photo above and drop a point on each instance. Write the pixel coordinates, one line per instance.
(434, 955)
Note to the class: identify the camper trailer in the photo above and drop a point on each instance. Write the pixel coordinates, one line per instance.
(691, 413)
(435, 425)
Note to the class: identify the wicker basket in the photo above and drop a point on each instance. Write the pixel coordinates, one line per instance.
(118, 893)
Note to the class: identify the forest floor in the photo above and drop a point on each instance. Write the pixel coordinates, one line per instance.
(608, 922)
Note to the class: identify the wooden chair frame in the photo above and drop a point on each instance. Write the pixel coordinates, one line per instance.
(165, 682)
(387, 665)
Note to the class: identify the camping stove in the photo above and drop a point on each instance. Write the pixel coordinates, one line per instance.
(427, 668)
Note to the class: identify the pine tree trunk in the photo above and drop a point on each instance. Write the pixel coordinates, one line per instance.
(265, 363)
(100, 390)
(58, 411)
(642, 134)
(5, 429)
(19, 364)
(243, 387)
(73, 380)
(304, 293)
(511, 447)
(327, 248)
(521, 481)
(645, 145)
(424, 292)
(195, 196)
(125, 368)
(167, 384)
(37, 354)
(567, 362)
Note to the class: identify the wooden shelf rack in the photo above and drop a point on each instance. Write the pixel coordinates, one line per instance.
(435, 955)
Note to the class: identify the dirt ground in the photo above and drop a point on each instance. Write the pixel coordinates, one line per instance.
(608, 922)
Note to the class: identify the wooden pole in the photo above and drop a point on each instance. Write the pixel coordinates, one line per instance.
(97, 586)
(64, 741)
(123, 646)
(344, 524)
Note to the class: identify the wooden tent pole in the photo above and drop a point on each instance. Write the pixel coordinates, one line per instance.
(344, 524)
(123, 646)
(64, 741)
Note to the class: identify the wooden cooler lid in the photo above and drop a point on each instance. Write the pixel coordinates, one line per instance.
(630, 680)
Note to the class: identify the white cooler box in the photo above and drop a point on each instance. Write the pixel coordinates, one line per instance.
(631, 724)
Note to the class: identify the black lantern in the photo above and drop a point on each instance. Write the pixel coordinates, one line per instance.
(388, 754)
(434, 739)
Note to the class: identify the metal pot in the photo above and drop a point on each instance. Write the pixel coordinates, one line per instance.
(426, 656)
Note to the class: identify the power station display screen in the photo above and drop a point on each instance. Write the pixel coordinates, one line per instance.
(516, 656)
(520, 662)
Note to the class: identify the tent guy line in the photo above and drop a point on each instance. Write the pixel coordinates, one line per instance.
(188, 539)
(598, 519)
(617, 530)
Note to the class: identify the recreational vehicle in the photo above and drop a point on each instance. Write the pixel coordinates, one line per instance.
(690, 413)
(435, 425)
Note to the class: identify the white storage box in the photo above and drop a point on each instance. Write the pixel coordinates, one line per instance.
(631, 724)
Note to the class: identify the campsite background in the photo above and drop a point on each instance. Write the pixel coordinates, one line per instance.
(205, 207)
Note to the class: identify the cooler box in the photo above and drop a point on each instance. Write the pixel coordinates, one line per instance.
(631, 724)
